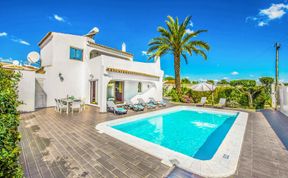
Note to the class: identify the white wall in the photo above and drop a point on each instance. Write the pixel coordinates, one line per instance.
(283, 97)
(152, 68)
(26, 91)
(77, 74)
(131, 91)
(73, 71)
(46, 54)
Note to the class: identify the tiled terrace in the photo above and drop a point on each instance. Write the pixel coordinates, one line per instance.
(56, 145)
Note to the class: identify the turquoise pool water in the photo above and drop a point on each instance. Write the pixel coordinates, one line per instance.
(194, 133)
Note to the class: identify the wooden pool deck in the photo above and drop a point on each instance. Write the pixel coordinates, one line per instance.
(60, 145)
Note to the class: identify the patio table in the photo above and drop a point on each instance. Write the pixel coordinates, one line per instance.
(69, 102)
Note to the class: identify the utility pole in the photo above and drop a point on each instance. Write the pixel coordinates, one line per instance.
(277, 47)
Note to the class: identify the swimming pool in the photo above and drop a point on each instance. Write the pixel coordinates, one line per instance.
(205, 141)
(194, 133)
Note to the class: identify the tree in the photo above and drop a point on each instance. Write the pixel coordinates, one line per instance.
(194, 82)
(169, 78)
(185, 81)
(247, 87)
(9, 122)
(223, 82)
(267, 82)
(177, 41)
(210, 81)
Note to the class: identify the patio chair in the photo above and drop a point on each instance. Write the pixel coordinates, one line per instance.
(134, 107)
(148, 105)
(83, 104)
(202, 102)
(111, 106)
(56, 105)
(221, 104)
(159, 103)
(76, 105)
(62, 105)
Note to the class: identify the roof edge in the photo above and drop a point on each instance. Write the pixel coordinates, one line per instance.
(44, 38)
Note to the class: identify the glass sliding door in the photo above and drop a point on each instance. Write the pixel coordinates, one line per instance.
(93, 92)
(119, 91)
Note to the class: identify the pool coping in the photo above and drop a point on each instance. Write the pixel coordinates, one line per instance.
(223, 163)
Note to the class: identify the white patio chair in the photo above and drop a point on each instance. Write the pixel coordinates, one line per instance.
(111, 106)
(56, 105)
(160, 103)
(83, 104)
(148, 105)
(76, 105)
(221, 103)
(62, 105)
(202, 102)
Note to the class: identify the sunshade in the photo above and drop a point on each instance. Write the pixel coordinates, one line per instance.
(203, 87)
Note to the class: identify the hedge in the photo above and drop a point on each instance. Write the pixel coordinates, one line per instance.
(234, 96)
(9, 121)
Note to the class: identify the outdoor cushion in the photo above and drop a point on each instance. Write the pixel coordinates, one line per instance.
(121, 109)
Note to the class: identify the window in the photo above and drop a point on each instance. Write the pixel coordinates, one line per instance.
(76, 54)
(139, 87)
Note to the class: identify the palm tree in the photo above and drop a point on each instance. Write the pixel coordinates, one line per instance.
(177, 41)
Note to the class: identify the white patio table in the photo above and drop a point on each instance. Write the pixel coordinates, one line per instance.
(69, 102)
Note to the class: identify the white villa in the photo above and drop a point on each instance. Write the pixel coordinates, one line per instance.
(77, 66)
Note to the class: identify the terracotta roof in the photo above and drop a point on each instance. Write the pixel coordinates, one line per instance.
(17, 67)
(41, 70)
(130, 72)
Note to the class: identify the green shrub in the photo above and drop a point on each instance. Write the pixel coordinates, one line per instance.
(9, 121)
(241, 93)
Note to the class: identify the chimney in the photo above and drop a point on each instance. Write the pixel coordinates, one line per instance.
(123, 47)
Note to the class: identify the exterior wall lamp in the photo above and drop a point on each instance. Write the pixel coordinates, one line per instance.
(61, 77)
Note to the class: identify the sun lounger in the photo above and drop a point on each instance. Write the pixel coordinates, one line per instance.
(221, 103)
(148, 105)
(134, 107)
(111, 106)
(159, 103)
(202, 102)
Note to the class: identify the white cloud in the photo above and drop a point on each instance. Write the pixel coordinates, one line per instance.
(275, 11)
(261, 23)
(14, 39)
(21, 42)
(225, 78)
(9, 60)
(24, 42)
(251, 75)
(234, 73)
(58, 18)
(3, 34)
(189, 31)
(191, 24)
(144, 53)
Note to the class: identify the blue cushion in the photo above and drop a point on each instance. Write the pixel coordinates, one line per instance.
(121, 109)
(151, 105)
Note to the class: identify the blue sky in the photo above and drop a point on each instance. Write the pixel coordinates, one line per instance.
(241, 33)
